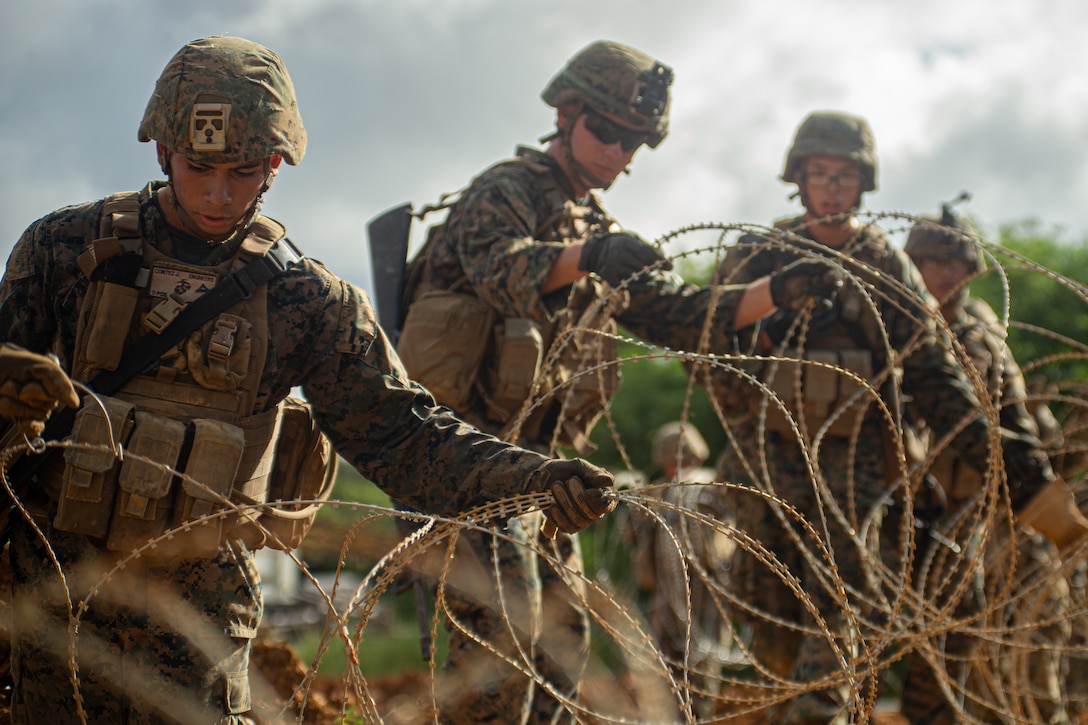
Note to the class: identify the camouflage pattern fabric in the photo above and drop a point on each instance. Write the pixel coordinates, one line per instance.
(834, 134)
(505, 613)
(923, 701)
(855, 477)
(853, 472)
(685, 620)
(619, 80)
(324, 337)
(263, 117)
(527, 608)
(499, 242)
(938, 387)
(158, 644)
(504, 235)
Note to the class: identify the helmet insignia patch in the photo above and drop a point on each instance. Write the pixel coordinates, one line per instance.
(208, 126)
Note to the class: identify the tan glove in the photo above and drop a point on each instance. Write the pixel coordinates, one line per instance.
(577, 487)
(1053, 513)
(31, 387)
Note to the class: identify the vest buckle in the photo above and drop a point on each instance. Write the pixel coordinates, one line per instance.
(162, 314)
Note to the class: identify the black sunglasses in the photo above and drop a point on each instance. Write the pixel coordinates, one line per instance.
(609, 132)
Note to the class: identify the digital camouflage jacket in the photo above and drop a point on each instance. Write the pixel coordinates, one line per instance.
(506, 231)
(323, 338)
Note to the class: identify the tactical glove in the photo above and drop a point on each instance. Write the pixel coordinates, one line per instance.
(576, 486)
(615, 257)
(1027, 468)
(31, 387)
(821, 322)
(802, 280)
(1053, 513)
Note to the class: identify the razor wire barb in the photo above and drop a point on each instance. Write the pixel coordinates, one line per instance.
(888, 616)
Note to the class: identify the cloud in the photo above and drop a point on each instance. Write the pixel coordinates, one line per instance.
(406, 101)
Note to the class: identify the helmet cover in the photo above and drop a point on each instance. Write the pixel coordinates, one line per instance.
(225, 100)
(618, 80)
(833, 133)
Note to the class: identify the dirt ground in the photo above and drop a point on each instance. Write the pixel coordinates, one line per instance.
(403, 699)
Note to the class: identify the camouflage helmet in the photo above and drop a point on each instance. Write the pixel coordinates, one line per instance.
(673, 438)
(833, 133)
(225, 100)
(947, 236)
(617, 80)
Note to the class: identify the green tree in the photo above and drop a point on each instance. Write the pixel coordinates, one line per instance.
(1048, 324)
(652, 392)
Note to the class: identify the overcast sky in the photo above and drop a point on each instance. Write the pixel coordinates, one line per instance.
(405, 100)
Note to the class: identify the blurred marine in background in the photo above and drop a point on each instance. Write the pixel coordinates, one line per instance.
(822, 444)
(946, 251)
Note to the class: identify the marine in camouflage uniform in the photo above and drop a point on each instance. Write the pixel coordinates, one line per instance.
(881, 327)
(945, 250)
(167, 640)
(686, 621)
(526, 256)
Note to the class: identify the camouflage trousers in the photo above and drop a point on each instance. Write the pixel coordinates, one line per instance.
(936, 675)
(997, 662)
(505, 604)
(153, 643)
(785, 638)
(1076, 675)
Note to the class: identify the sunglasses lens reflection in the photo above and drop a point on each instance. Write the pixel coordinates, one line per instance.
(609, 132)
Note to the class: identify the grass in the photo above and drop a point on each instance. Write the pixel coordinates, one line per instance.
(391, 641)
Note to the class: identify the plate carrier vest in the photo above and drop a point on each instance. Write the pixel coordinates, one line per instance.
(194, 466)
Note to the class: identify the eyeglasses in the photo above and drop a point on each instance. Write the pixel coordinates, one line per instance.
(609, 132)
(847, 180)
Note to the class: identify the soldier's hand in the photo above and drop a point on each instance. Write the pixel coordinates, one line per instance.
(1027, 468)
(778, 324)
(31, 387)
(803, 280)
(615, 257)
(1053, 513)
(577, 487)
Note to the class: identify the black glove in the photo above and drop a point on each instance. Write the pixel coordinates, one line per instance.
(1027, 469)
(615, 257)
(31, 387)
(821, 322)
(778, 323)
(802, 280)
(576, 485)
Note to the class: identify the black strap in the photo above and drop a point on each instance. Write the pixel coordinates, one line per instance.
(239, 285)
(145, 353)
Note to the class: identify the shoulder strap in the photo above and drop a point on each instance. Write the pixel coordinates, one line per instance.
(118, 231)
(237, 286)
(263, 233)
